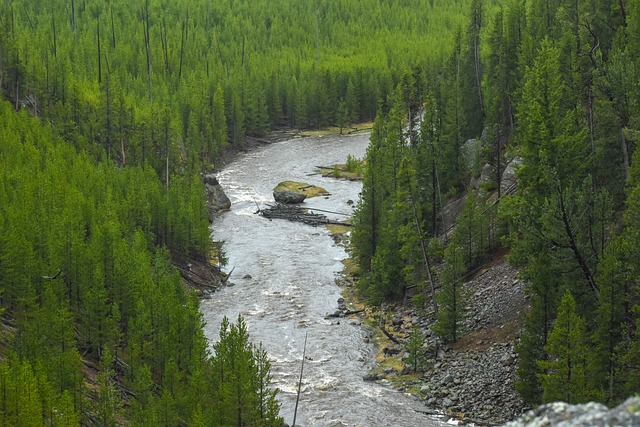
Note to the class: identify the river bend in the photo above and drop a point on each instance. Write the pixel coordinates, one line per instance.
(292, 288)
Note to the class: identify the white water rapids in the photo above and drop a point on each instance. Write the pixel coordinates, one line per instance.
(292, 288)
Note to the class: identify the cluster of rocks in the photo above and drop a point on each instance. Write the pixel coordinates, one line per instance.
(497, 299)
(473, 379)
(559, 414)
(474, 384)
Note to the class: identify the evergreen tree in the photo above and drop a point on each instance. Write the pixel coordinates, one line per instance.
(451, 298)
(565, 372)
(415, 353)
(240, 379)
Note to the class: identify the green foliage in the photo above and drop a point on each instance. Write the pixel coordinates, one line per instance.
(451, 297)
(241, 375)
(166, 82)
(565, 370)
(86, 269)
(354, 165)
(416, 358)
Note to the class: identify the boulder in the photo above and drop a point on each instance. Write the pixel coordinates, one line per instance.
(217, 200)
(471, 150)
(562, 414)
(372, 376)
(509, 180)
(288, 197)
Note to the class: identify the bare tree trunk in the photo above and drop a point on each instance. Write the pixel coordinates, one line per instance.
(181, 54)
(73, 16)
(425, 258)
(476, 58)
(148, 48)
(625, 153)
(113, 31)
(99, 54)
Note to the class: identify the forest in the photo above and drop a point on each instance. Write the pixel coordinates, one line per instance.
(552, 87)
(111, 112)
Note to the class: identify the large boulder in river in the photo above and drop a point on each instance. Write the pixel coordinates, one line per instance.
(217, 200)
(288, 197)
(292, 192)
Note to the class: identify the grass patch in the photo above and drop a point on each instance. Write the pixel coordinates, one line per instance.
(342, 172)
(338, 230)
(301, 187)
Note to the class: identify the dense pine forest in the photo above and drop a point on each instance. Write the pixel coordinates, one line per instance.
(551, 87)
(110, 113)
(112, 110)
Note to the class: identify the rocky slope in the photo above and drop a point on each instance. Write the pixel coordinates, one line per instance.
(473, 380)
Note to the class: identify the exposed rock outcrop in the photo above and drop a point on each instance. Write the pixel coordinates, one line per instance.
(509, 179)
(217, 200)
(560, 414)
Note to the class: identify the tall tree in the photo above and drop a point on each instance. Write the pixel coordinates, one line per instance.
(565, 372)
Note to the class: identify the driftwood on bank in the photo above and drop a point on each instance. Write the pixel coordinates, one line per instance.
(298, 214)
(391, 337)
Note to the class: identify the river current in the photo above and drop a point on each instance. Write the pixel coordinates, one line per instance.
(290, 271)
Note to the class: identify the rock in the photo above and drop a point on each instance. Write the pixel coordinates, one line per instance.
(217, 200)
(349, 202)
(562, 414)
(506, 360)
(247, 276)
(471, 151)
(446, 402)
(397, 321)
(371, 376)
(391, 351)
(288, 197)
(337, 313)
(509, 178)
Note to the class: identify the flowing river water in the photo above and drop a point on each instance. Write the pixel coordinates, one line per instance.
(290, 271)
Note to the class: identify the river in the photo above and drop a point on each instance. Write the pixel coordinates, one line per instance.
(292, 269)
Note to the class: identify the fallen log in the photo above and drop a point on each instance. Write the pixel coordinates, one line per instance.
(298, 214)
(391, 337)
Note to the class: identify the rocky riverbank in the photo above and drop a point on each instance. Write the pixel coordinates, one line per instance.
(474, 379)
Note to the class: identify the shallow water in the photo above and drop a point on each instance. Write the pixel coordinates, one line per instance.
(293, 268)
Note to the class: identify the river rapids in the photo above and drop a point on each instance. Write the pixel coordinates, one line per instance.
(290, 271)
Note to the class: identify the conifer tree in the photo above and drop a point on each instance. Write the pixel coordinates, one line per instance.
(415, 353)
(565, 372)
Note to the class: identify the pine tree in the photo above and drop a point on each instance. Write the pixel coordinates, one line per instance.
(415, 353)
(565, 372)
(108, 405)
(240, 379)
(451, 297)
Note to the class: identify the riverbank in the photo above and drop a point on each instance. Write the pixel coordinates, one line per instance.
(205, 275)
(284, 134)
(284, 276)
(472, 380)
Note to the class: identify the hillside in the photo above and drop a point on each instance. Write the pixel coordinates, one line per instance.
(541, 94)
